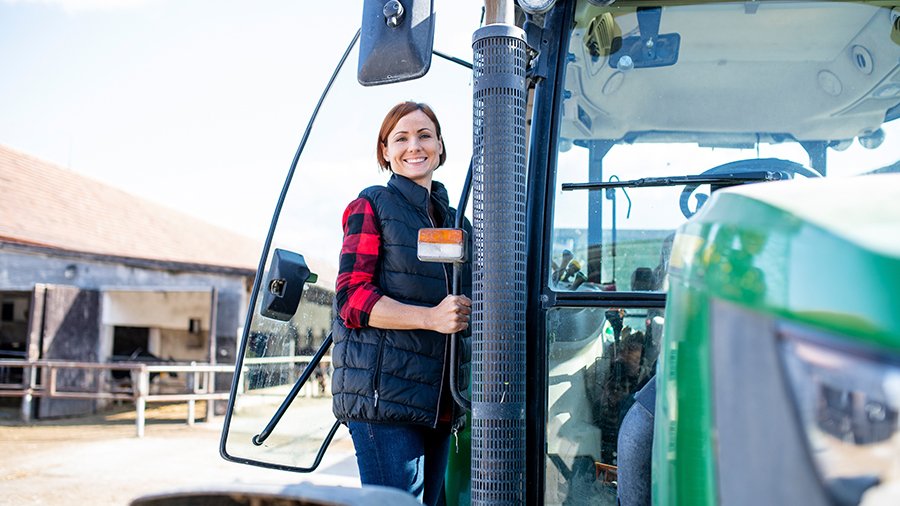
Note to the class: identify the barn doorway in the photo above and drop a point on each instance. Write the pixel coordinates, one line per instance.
(130, 343)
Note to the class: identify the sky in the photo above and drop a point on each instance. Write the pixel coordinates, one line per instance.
(199, 104)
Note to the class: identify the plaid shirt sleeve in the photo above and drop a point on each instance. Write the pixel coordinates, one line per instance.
(355, 292)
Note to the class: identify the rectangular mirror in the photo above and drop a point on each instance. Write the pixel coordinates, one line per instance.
(395, 41)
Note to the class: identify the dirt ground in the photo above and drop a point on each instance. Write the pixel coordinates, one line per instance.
(99, 460)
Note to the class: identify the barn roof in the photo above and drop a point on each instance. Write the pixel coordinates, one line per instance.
(46, 206)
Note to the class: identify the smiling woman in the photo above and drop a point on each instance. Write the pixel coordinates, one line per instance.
(410, 143)
(394, 315)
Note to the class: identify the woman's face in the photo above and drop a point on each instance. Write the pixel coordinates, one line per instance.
(413, 149)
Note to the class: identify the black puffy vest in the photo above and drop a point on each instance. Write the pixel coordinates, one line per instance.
(397, 376)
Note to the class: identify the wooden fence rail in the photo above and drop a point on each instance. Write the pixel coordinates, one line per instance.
(200, 384)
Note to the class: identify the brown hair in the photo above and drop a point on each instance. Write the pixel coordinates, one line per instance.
(393, 117)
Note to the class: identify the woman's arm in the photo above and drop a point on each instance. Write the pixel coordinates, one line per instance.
(355, 292)
(360, 303)
(451, 315)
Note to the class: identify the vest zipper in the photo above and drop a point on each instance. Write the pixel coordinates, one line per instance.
(376, 379)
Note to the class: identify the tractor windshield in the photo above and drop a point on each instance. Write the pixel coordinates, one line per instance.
(738, 91)
(799, 88)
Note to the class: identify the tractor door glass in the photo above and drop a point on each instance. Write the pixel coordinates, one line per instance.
(337, 163)
(613, 239)
(597, 359)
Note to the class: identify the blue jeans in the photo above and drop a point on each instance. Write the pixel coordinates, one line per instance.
(408, 457)
(635, 447)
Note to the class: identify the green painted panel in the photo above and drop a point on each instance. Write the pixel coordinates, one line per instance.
(762, 248)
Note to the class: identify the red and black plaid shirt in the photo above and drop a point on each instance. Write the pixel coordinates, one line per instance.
(359, 256)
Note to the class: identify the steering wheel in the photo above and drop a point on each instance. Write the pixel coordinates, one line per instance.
(737, 167)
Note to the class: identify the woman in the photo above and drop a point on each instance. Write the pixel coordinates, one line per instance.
(394, 314)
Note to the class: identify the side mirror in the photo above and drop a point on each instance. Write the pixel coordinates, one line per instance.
(396, 40)
(284, 287)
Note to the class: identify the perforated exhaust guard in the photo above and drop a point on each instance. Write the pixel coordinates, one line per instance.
(499, 266)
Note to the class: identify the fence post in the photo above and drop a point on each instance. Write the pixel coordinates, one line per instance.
(140, 402)
(192, 414)
(52, 383)
(29, 381)
(210, 403)
(26, 406)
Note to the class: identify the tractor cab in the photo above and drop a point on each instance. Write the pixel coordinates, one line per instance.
(660, 107)
(637, 116)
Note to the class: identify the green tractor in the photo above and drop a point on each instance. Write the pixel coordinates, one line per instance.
(694, 194)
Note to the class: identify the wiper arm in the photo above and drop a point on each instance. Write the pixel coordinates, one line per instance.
(719, 180)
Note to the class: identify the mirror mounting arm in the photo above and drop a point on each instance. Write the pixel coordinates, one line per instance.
(286, 403)
(393, 13)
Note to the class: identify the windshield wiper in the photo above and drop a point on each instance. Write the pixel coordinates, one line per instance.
(718, 181)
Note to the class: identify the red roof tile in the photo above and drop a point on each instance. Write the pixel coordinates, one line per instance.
(45, 205)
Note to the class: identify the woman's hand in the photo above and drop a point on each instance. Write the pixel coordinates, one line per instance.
(451, 315)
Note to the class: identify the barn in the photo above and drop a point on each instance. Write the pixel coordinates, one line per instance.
(91, 273)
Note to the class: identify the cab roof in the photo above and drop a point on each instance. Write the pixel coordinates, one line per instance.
(745, 72)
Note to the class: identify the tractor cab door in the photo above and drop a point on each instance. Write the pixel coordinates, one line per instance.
(274, 420)
(652, 142)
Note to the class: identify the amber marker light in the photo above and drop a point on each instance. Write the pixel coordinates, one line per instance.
(447, 245)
